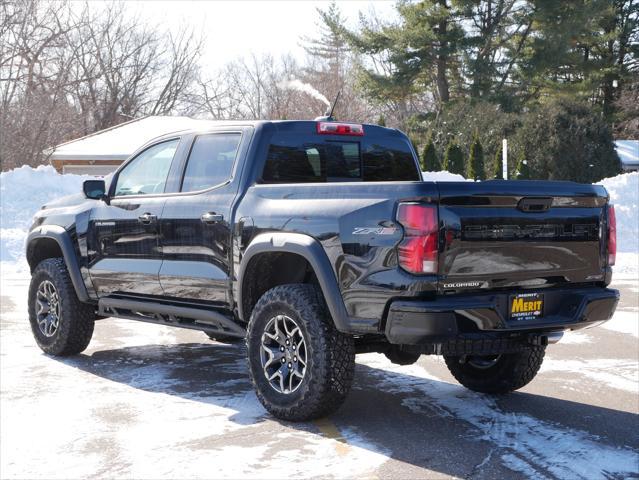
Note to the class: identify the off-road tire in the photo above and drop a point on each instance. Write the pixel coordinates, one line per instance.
(330, 354)
(400, 357)
(224, 338)
(76, 320)
(511, 371)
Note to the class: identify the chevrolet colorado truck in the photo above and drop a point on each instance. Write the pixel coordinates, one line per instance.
(317, 240)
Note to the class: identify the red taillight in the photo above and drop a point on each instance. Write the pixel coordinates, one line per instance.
(612, 235)
(332, 128)
(418, 249)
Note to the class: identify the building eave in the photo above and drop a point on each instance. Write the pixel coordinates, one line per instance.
(95, 158)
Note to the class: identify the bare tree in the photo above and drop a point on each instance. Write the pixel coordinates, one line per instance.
(180, 74)
(34, 65)
(66, 72)
(253, 89)
(117, 60)
(627, 127)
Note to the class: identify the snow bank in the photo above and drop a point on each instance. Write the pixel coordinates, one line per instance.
(22, 192)
(443, 176)
(624, 194)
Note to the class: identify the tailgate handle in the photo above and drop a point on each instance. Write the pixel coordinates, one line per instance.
(529, 204)
(211, 217)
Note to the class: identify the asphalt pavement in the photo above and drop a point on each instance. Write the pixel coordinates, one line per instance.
(145, 401)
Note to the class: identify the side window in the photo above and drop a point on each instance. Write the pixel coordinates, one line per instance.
(210, 161)
(147, 173)
(330, 161)
(391, 161)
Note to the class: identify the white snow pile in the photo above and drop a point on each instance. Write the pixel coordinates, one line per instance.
(22, 192)
(624, 195)
(443, 176)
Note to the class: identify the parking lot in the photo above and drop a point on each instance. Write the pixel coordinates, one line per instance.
(154, 402)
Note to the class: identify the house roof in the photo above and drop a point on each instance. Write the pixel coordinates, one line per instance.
(119, 142)
(628, 151)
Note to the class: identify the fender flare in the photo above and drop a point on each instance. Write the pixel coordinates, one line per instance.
(63, 239)
(314, 253)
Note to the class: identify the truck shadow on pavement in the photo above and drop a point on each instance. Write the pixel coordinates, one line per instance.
(418, 420)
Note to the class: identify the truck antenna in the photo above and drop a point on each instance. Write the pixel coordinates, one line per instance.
(329, 114)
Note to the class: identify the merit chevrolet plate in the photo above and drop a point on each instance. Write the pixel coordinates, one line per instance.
(526, 306)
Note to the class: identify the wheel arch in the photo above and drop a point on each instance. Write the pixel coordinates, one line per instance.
(54, 241)
(301, 255)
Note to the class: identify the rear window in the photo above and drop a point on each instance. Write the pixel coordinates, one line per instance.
(292, 159)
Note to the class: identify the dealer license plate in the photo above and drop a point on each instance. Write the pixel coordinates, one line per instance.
(526, 306)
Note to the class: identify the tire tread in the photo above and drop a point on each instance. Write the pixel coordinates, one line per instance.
(514, 371)
(333, 354)
(77, 322)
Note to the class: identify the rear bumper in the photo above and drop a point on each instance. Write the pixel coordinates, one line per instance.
(417, 322)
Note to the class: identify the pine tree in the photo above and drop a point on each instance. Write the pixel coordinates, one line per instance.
(475, 167)
(498, 171)
(454, 158)
(381, 121)
(429, 160)
(523, 170)
(421, 45)
(329, 47)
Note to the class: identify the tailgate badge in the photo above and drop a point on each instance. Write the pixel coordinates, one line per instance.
(462, 285)
(374, 230)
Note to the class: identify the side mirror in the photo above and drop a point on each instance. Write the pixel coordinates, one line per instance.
(94, 189)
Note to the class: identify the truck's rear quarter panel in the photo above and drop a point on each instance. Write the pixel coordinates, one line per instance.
(355, 224)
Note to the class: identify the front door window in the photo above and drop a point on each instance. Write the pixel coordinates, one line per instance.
(148, 172)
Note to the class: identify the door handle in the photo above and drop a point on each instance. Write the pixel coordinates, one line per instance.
(147, 218)
(211, 217)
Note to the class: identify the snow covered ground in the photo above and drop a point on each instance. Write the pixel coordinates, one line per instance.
(154, 402)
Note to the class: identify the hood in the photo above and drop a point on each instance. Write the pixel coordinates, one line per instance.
(67, 201)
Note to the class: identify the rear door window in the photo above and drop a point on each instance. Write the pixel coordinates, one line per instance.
(210, 161)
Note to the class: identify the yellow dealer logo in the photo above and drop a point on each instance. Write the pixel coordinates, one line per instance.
(521, 306)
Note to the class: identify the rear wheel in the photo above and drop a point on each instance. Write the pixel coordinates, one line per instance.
(497, 373)
(61, 324)
(301, 366)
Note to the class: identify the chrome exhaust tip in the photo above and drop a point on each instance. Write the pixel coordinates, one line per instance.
(554, 337)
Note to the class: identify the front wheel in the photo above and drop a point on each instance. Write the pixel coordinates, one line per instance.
(61, 324)
(497, 373)
(301, 366)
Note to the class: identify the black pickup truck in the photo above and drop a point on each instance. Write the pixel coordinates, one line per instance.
(317, 240)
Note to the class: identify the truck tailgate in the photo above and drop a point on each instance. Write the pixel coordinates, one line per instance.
(504, 234)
